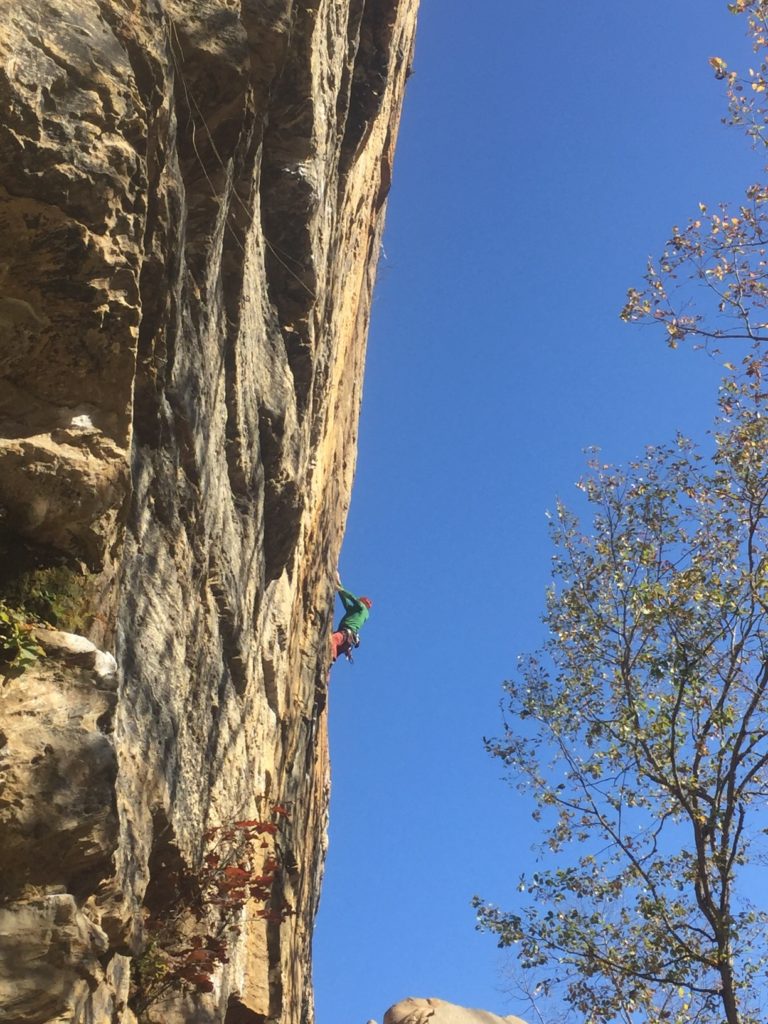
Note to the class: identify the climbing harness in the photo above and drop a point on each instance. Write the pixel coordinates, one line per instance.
(351, 640)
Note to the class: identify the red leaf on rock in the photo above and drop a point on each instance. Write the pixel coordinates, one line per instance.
(198, 956)
(266, 826)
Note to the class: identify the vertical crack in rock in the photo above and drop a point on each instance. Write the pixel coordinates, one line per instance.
(375, 26)
(191, 204)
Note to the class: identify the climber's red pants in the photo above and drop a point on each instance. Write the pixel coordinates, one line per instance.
(339, 643)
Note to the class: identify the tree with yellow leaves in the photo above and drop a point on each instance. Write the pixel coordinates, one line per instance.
(710, 283)
(641, 731)
(641, 727)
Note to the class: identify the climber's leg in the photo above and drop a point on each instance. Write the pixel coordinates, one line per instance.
(337, 642)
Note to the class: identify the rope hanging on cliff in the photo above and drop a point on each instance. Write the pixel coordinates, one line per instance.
(192, 102)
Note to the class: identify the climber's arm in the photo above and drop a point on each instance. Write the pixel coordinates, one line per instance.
(350, 602)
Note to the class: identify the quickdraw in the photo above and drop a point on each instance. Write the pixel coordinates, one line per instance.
(351, 639)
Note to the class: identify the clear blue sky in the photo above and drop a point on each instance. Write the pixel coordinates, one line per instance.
(545, 152)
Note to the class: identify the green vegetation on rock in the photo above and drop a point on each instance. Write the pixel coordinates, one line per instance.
(39, 586)
(18, 647)
(43, 585)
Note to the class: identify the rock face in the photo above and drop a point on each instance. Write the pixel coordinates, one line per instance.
(192, 196)
(418, 1011)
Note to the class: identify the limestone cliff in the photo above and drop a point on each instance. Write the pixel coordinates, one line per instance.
(192, 195)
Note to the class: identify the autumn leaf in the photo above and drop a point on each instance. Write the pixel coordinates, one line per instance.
(719, 66)
(233, 873)
(198, 956)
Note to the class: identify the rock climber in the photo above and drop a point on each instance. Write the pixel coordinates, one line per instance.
(347, 634)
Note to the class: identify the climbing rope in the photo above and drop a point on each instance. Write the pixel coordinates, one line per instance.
(192, 102)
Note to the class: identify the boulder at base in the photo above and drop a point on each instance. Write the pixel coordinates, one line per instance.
(436, 1011)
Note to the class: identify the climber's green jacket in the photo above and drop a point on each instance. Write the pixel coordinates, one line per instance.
(356, 611)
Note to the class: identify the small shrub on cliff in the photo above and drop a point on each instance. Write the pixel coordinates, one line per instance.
(18, 647)
(189, 937)
(43, 585)
(56, 596)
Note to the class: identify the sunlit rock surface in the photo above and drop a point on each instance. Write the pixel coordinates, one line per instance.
(436, 1011)
(192, 196)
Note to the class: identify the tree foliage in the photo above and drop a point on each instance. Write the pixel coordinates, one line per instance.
(711, 281)
(195, 915)
(641, 729)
